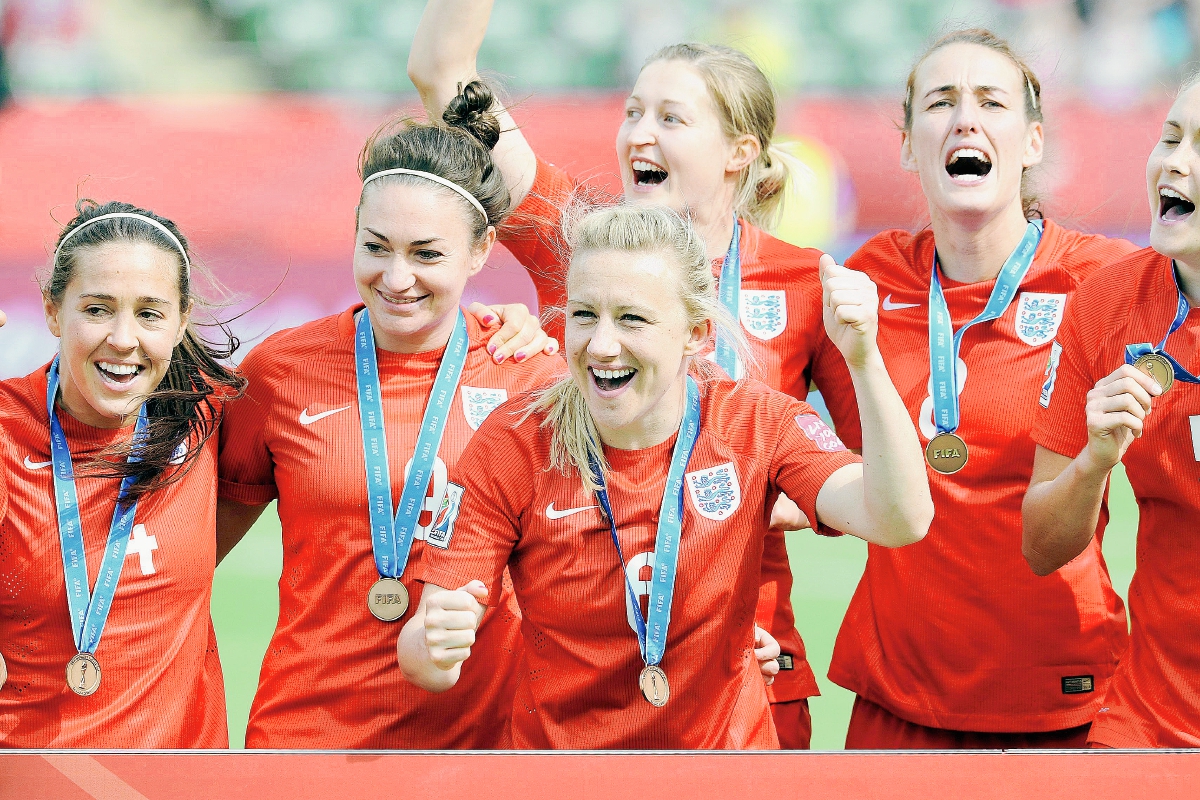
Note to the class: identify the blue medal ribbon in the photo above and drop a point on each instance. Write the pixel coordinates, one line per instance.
(652, 632)
(89, 611)
(944, 342)
(1135, 351)
(391, 539)
(729, 292)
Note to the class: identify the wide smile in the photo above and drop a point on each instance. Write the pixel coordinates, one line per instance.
(398, 301)
(647, 174)
(117, 375)
(1174, 205)
(968, 166)
(610, 382)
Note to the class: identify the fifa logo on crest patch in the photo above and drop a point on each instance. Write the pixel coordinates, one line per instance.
(715, 492)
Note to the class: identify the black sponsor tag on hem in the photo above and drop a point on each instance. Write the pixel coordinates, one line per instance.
(786, 661)
(1078, 684)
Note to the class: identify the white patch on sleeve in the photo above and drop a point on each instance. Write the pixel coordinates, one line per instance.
(1051, 374)
(819, 433)
(443, 524)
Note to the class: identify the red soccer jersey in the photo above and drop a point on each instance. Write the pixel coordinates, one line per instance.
(161, 684)
(329, 678)
(581, 662)
(1153, 699)
(956, 631)
(780, 312)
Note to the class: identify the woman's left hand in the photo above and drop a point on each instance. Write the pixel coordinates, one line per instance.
(851, 311)
(520, 335)
(766, 650)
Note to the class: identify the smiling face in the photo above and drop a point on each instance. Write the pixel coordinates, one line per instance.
(970, 139)
(1173, 182)
(119, 319)
(413, 254)
(671, 147)
(627, 344)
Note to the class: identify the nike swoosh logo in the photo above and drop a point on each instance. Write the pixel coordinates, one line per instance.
(888, 305)
(305, 419)
(553, 513)
(36, 464)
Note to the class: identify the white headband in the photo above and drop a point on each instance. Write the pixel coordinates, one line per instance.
(187, 263)
(454, 187)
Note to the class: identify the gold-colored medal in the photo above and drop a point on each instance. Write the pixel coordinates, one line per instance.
(946, 453)
(83, 674)
(388, 599)
(654, 686)
(1157, 367)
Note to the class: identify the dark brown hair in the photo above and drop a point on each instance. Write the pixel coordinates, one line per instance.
(460, 150)
(1031, 91)
(184, 409)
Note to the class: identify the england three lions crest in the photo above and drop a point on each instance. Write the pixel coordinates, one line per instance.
(478, 403)
(715, 492)
(1038, 316)
(764, 314)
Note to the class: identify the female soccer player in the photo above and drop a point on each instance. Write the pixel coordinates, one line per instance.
(1120, 388)
(560, 493)
(108, 502)
(996, 657)
(697, 136)
(352, 422)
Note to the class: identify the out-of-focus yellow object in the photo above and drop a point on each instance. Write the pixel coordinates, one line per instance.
(819, 207)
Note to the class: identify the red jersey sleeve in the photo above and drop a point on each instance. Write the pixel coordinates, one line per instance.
(494, 476)
(246, 469)
(832, 378)
(5, 444)
(1061, 423)
(533, 234)
(806, 454)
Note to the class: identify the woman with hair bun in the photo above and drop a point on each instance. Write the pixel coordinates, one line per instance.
(352, 422)
(560, 485)
(107, 505)
(954, 643)
(697, 135)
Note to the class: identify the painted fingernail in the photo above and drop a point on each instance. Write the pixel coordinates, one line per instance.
(519, 357)
(500, 358)
(491, 349)
(489, 319)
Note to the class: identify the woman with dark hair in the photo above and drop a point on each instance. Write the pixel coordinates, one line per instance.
(106, 637)
(352, 422)
(953, 643)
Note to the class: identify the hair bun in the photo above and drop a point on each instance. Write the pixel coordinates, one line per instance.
(471, 110)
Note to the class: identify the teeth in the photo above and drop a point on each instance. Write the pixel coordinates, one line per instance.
(645, 166)
(611, 374)
(1168, 192)
(118, 369)
(969, 152)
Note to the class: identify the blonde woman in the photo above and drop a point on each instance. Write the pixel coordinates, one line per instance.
(598, 466)
(696, 135)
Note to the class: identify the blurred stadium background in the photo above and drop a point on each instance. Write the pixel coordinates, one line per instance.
(242, 120)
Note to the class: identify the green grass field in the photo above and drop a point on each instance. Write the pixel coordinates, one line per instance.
(245, 605)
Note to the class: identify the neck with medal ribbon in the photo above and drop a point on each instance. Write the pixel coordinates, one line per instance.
(89, 612)
(652, 628)
(392, 539)
(729, 293)
(947, 452)
(1155, 361)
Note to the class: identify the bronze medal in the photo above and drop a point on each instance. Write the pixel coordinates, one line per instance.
(946, 453)
(83, 674)
(388, 599)
(656, 690)
(1158, 368)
